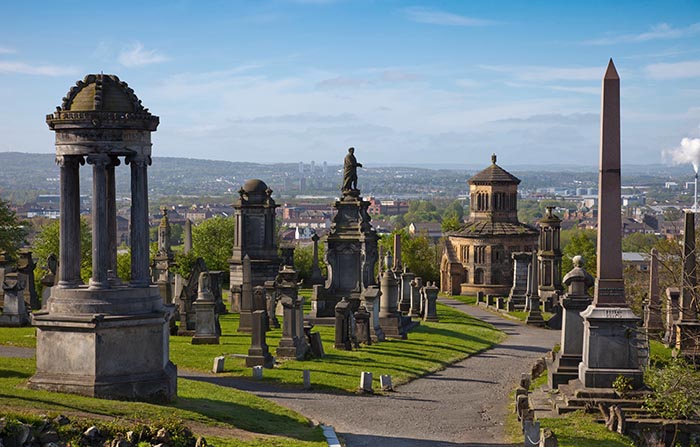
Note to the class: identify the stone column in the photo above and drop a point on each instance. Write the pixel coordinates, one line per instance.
(69, 264)
(316, 275)
(100, 229)
(112, 218)
(247, 307)
(534, 314)
(188, 236)
(397, 252)
(139, 220)
(652, 311)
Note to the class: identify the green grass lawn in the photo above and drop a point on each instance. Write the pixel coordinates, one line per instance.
(580, 430)
(518, 315)
(430, 347)
(225, 416)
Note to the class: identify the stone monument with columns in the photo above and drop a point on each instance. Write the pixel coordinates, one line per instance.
(549, 256)
(86, 334)
(610, 346)
(255, 235)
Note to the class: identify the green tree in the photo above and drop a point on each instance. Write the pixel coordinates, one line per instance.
(47, 241)
(303, 261)
(451, 223)
(418, 253)
(212, 240)
(124, 265)
(639, 242)
(13, 232)
(583, 243)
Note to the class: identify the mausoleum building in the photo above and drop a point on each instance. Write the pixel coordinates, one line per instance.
(478, 256)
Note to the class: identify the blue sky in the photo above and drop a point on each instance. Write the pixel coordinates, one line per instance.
(444, 82)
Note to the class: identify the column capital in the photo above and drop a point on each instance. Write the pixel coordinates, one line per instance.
(66, 160)
(100, 159)
(140, 160)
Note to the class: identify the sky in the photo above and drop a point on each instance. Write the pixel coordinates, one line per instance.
(404, 82)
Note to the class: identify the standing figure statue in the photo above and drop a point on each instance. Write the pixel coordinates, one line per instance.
(350, 171)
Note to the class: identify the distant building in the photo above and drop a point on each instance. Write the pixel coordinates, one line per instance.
(478, 256)
(433, 230)
(387, 207)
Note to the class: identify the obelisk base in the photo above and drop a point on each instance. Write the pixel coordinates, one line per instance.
(609, 347)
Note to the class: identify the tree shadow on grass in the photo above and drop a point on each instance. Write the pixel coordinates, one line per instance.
(248, 418)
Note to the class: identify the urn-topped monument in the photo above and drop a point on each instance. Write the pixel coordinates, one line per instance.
(351, 248)
(107, 338)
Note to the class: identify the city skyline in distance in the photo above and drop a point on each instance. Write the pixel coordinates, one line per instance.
(441, 83)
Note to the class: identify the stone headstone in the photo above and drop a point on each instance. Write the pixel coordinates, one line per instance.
(416, 286)
(306, 377)
(673, 295)
(316, 275)
(293, 343)
(534, 313)
(247, 300)
(14, 311)
(49, 279)
(343, 325)
(405, 291)
(257, 372)
(531, 433)
(431, 295)
(480, 297)
(366, 382)
(518, 293)
(370, 300)
(317, 345)
(272, 305)
(259, 353)
(389, 316)
(577, 299)
(218, 364)
(207, 329)
(362, 326)
(688, 325)
(385, 382)
(25, 268)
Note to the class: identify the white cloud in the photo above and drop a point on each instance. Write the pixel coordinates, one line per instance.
(675, 70)
(541, 73)
(9, 67)
(662, 31)
(436, 17)
(7, 50)
(136, 56)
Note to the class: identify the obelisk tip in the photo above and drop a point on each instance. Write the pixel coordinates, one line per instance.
(611, 72)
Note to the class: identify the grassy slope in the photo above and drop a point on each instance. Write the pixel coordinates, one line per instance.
(201, 403)
(429, 347)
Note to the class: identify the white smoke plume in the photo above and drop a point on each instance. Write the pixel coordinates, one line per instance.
(687, 152)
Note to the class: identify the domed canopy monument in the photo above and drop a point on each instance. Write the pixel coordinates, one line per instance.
(87, 334)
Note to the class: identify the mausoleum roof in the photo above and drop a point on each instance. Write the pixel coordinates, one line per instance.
(101, 92)
(494, 174)
(481, 228)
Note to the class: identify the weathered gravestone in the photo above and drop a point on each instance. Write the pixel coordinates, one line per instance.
(431, 295)
(207, 328)
(370, 301)
(518, 293)
(566, 361)
(362, 326)
(293, 343)
(259, 353)
(14, 310)
(344, 325)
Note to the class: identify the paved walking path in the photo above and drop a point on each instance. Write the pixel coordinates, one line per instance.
(465, 404)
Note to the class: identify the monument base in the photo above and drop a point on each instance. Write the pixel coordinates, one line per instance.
(93, 355)
(392, 327)
(610, 347)
(563, 369)
(688, 339)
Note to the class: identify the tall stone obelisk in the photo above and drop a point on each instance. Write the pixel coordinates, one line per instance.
(610, 327)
